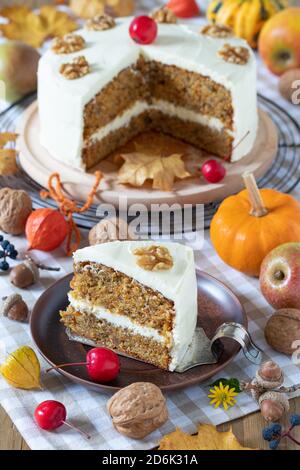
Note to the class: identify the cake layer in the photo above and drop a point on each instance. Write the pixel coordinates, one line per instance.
(109, 275)
(184, 66)
(201, 131)
(103, 333)
(122, 295)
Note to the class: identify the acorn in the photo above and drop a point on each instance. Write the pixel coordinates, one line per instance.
(27, 273)
(14, 308)
(273, 405)
(24, 274)
(269, 375)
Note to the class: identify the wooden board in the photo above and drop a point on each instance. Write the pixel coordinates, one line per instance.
(39, 164)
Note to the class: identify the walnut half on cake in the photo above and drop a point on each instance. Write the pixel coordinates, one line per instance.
(117, 302)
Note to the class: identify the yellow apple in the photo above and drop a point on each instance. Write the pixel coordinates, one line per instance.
(279, 41)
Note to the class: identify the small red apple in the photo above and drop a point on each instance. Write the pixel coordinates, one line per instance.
(279, 41)
(280, 276)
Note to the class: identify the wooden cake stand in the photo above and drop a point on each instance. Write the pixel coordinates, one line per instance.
(39, 164)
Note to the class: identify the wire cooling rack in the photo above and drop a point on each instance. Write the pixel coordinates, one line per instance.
(284, 174)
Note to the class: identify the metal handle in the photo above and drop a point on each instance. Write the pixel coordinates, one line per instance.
(238, 333)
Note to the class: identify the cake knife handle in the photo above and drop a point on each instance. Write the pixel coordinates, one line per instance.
(238, 332)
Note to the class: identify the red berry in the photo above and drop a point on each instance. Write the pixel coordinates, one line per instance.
(143, 30)
(50, 415)
(102, 364)
(213, 171)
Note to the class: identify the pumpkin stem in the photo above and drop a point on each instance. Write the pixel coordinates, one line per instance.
(258, 209)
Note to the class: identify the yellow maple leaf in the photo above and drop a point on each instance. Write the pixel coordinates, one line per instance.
(90, 8)
(208, 438)
(8, 164)
(140, 167)
(34, 28)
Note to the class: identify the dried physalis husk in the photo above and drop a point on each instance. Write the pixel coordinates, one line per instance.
(234, 54)
(217, 31)
(154, 258)
(100, 23)
(68, 44)
(22, 369)
(164, 15)
(79, 67)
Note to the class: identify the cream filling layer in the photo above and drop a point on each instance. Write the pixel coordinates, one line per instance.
(158, 105)
(115, 319)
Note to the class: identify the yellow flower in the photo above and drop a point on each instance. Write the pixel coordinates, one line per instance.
(222, 396)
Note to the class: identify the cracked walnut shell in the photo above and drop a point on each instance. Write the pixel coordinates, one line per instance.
(154, 258)
(100, 23)
(164, 15)
(79, 67)
(68, 44)
(234, 54)
(138, 410)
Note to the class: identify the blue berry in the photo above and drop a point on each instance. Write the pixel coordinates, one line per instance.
(295, 420)
(5, 244)
(274, 444)
(13, 254)
(2, 254)
(4, 266)
(276, 428)
(1, 238)
(267, 433)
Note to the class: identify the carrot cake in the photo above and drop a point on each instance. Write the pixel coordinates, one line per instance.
(138, 298)
(97, 89)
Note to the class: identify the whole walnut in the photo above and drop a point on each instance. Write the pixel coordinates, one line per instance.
(289, 84)
(109, 230)
(282, 329)
(15, 207)
(137, 410)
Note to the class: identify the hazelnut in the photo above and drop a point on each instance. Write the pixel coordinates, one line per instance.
(271, 371)
(108, 230)
(273, 405)
(137, 410)
(286, 84)
(15, 308)
(283, 329)
(24, 274)
(15, 207)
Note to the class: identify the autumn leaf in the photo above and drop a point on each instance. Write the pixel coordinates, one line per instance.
(90, 8)
(140, 167)
(8, 164)
(208, 438)
(34, 28)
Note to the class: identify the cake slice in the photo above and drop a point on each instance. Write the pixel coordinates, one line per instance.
(137, 298)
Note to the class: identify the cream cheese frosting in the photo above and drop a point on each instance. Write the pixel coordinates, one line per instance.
(62, 102)
(177, 284)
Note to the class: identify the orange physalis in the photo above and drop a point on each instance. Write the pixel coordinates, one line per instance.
(184, 8)
(46, 229)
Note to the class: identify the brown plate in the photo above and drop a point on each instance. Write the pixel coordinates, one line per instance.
(216, 304)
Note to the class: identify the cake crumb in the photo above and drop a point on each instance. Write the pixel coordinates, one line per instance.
(79, 67)
(68, 44)
(164, 15)
(217, 31)
(234, 54)
(154, 258)
(100, 23)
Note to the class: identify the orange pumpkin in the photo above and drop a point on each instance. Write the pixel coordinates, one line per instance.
(247, 226)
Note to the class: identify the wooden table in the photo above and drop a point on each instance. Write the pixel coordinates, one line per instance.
(247, 430)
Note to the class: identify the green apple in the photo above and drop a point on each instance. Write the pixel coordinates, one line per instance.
(18, 69)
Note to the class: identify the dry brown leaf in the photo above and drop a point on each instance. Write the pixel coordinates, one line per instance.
(208, 438)
(90, 8)
(8, 165)
(34, 28)
(140, 167)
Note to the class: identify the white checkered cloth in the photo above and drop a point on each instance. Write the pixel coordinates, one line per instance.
(88, 409)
